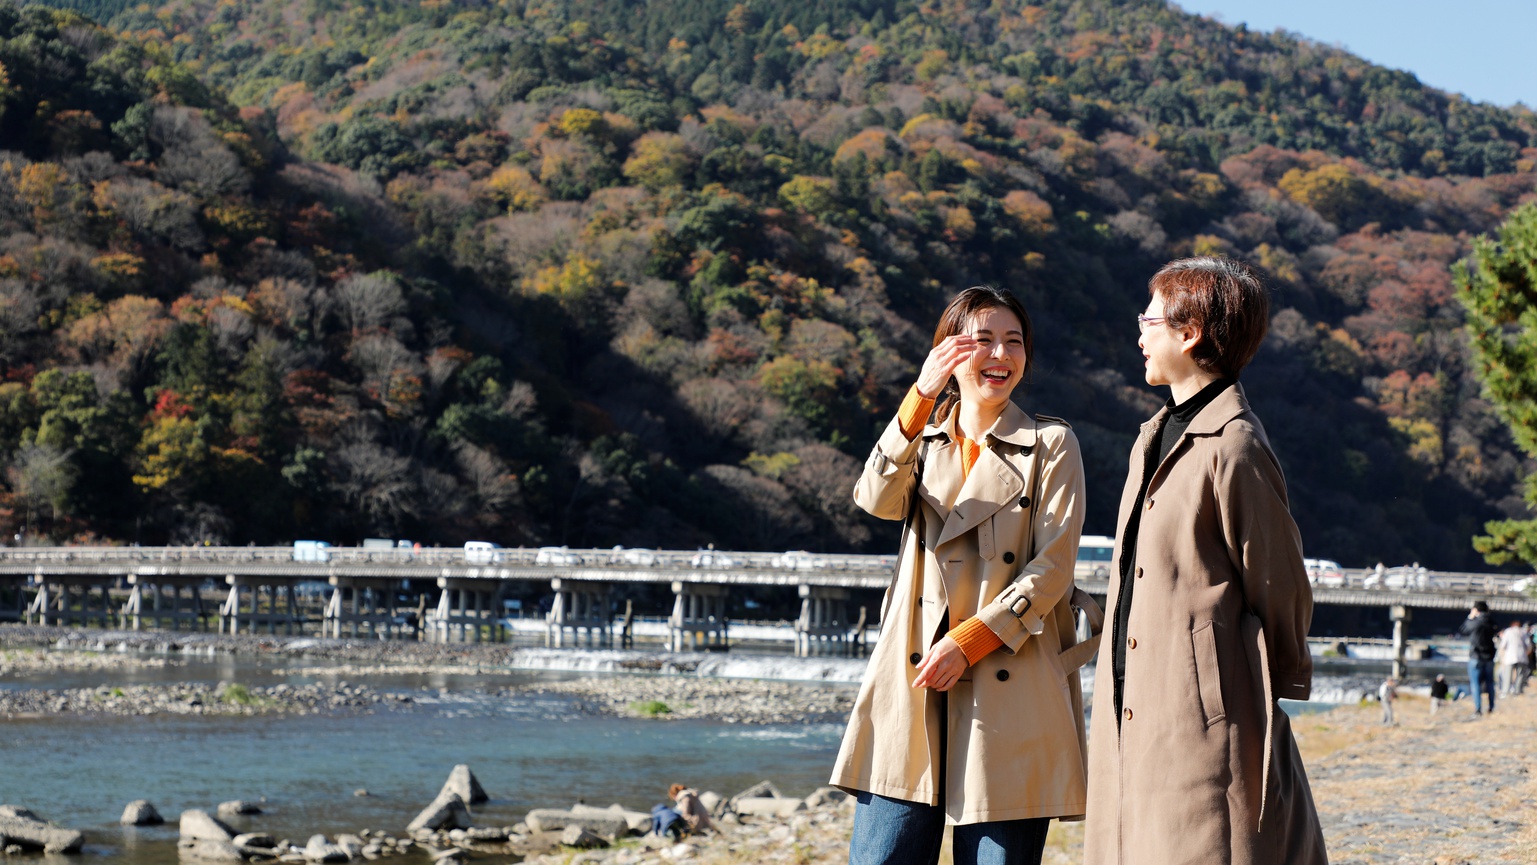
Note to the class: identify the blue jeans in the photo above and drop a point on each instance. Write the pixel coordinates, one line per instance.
(896, 832)
(1481, 681)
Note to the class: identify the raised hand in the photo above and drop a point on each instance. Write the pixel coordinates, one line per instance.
(942, 362)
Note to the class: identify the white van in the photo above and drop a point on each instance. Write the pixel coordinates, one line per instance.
(1094, 552)
(481, 552)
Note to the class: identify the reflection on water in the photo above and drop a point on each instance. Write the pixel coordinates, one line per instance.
(528, 752)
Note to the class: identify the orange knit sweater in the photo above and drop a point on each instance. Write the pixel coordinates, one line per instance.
(975, 638)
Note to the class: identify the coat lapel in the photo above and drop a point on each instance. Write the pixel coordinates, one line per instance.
(993, 482)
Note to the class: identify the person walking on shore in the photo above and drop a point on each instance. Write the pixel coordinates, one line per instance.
(1387, 694)
(1191, 759)
(1479, 629)
(970, 711)
(1438, 691)
(1510, 657)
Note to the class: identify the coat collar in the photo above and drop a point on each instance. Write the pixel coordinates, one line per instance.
(1015, 426)
(1226, 406)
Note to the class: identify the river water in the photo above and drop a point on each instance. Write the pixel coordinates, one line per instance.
(528, 752)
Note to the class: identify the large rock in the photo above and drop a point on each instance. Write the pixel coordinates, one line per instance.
(606, 823)
(640, 821)
(754, 806)
(201, 826)
(826, 796)
(22, 827)
(576, 835)
(238, 807)
(256, 844)
(712, 802)
(321, 850)
(209, 850)
(140, 812)
(760, 790)
(448, 811)
(462, 781)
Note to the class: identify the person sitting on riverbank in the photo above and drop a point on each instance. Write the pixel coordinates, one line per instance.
(693, 811)
(1438, 691)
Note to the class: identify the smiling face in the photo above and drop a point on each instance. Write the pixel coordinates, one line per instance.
(990, 376)
(1166, 349)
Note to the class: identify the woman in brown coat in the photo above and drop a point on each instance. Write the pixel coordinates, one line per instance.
(1191, 760)
(970, 711)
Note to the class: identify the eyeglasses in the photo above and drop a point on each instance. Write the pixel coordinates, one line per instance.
(1146, 321)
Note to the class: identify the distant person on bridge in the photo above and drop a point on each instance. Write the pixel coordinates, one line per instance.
(1479, 629)
(1192, 759)
(970, 711)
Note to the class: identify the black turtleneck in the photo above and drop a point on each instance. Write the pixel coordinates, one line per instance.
(1165, 438)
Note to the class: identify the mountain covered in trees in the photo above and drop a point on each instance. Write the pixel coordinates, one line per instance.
(597, 272)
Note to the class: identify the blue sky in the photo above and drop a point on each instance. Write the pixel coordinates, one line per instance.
(1480, 48)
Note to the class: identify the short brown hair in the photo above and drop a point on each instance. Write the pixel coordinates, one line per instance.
(674, 790)
(960, 311)
(1222, 298)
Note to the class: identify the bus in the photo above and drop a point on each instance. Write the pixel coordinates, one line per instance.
(1093, 557)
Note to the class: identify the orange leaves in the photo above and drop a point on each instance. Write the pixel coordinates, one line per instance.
(874, 143)
(125, 333)
(1031, 211)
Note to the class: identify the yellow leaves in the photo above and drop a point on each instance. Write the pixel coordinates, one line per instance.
(577, 278)
(659, 160)
(1280, 263)
(820, 46)
(1424, 439)
(118, 266)
(582, 121)
(39, 185)
(1211, 245)
(676, 45)
(771, 465)
(933, 64)
(238, 220)
(915, 124)
(1333, 190)
(170, 451)
(516, 189)
(1031, 211)
(812, 195)
(960, 225)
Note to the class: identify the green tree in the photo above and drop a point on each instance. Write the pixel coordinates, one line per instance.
(1498, 285)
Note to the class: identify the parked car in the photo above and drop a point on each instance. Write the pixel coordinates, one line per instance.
(639, 557)
(1401, 577)
(556, 556)
(799, 560)
(1094, 552)
(1325, 572)
(711, 559)
(311, 551)
(482, 552)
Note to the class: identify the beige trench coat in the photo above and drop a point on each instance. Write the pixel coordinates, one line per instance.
(1015, 726)
(1203, 768)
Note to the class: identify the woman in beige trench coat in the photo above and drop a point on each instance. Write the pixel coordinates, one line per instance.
(970, 709)
(1190, 758)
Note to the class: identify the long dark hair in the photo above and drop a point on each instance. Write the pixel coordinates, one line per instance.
(961, 310)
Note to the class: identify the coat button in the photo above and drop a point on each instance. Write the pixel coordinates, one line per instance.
(915, 658)
(1003, 675)
(1008, 558)
(1128, 714)
(1131, 642)
(1139, 573)
(1024, 501)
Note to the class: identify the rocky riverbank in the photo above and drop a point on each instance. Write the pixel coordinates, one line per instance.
(185, 699)
(733, 701)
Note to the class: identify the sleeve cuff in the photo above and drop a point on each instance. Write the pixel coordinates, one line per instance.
(975, 638)
(914, 413)
(1298, 686)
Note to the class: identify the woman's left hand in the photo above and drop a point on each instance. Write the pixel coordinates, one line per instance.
(942, 667)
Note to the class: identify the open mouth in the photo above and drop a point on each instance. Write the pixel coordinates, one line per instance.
(996, 375)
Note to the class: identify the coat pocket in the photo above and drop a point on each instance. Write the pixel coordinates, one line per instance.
(1203, 643)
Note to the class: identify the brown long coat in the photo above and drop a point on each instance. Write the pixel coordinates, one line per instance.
(1203, 768)
(1015, 725)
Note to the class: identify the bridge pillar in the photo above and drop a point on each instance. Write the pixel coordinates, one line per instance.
(365, 604)
(281, 607)
(1400, 615)
(698, 617)
(166, 603)
(823, 626)
(464, 609)
(581, 607)
(13, 597)
(69, 600)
